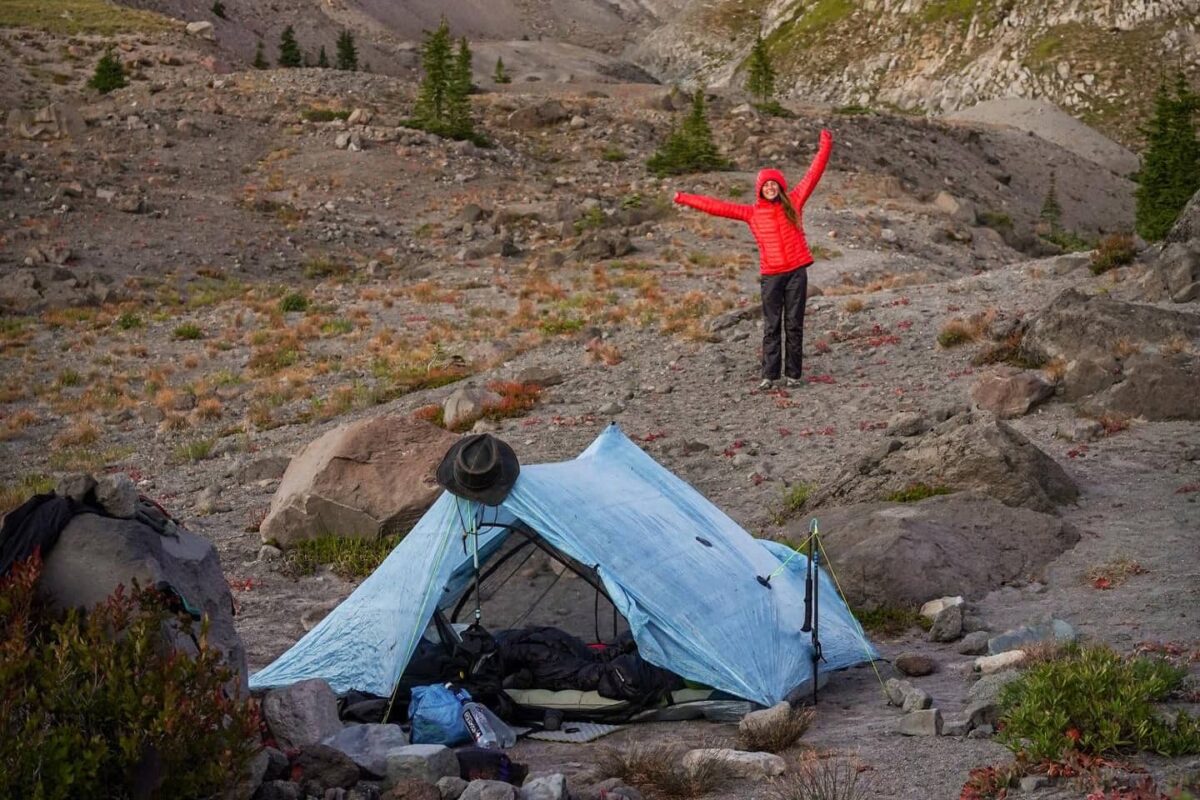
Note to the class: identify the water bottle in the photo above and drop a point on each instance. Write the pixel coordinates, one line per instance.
(486, 728)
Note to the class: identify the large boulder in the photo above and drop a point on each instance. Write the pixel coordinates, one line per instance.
(970, 451)
(1179, 268)
(302, 714)
(539, 115)
(903, 554)
(1187, 226)
(1009, 392)
(95, 554)
(1155, 387)
(365, 479)
(1074, 323)
(55, 121)
(369, 745)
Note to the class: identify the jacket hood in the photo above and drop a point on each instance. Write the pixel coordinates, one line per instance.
(769, 175)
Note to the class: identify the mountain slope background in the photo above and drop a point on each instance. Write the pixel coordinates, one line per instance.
(1097, 59)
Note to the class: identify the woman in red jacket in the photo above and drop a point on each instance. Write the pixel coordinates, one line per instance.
(775, 219)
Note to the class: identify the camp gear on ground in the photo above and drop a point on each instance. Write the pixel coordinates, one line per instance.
(436, 714)
(34, 526)
(634, 528)
(486, 728)
(480, 468)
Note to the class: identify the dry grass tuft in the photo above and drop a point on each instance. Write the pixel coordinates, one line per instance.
(824, 779)
(601, 352)
(1124, 348)
(658, 769)
(1056, 370)
(1178, 343)
(956, 332)
(853, 305)
(1113, 422)
(1113, 573)
(779, 734)
(82, 433)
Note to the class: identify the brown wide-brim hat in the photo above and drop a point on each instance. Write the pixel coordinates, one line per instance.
(479, 467)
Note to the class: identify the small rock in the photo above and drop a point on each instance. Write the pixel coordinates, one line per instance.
(277, 764)
(1050, 629)
(265, 468)
(368, 745)
(203, 29)
(425, 762)
(907, 423)
(973, 644)
(914, 664)
(895, 691)
(1031, 783)
(921, 723)
(766, 719)
(269, 552)
(931, 609)
(326, 767)
(1002, 661)
(117, 495)
(420, 790)
(278, 790)
(959, 725)
(489, 790)
(77, 487)
(540, 376)
(751, 766)
(451, 787)
(916, 700)
(545, 787)
(302, 714)
(610, 409)
(947, 625)
(981, 732)
(987, 689)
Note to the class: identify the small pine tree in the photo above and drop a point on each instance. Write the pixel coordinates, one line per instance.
(458, 95)
(1170, 172)
(432, 100)
(109, 74)
(347, 53)
(289, 50)
(760, 81)
(689, 148)
(218, 9)
(322, 59)
(501, 75)
(260, 60)
(1051, 212)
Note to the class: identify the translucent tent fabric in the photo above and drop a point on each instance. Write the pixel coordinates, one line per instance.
(683, 574)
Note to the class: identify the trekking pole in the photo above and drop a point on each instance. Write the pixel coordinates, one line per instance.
(808, 583)
(814, 555)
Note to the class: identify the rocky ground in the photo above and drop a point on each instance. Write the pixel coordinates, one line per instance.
(206, 273)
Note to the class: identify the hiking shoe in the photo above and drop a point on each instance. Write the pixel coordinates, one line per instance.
(765, 384)
(794, 383)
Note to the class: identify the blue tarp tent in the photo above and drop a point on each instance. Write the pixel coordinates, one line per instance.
(683, 574)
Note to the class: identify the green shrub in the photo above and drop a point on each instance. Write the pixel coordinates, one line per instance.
(198, 450)
(69, 377)
(853, 110)
(350, 558)
(592, 218)
(1092, 700)
(915, 492)
(324, 114)
(293, 301)
(188, 331)
(690, 148)
(795, 497)
(1113, 251)
(1069, 241)
(129, 321)
(996, 220)
(94, 705)
(613, 153)
(109, 74)
(891, 620)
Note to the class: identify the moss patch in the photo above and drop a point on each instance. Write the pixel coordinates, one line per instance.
(79, 16)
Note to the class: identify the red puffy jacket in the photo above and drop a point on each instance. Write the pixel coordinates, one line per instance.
(781, 245)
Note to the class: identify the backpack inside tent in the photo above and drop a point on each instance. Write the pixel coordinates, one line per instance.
(683, 581)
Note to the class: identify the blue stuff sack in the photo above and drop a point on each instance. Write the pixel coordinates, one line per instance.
(436, 714)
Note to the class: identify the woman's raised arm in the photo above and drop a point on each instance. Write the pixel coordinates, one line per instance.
(804, 189)
(711, 205)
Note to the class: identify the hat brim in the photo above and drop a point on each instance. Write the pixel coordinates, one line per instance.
(510, 468)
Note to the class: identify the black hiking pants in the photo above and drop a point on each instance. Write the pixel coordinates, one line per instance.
(783, 299)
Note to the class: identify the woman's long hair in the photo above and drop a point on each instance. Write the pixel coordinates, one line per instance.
(789, 210)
